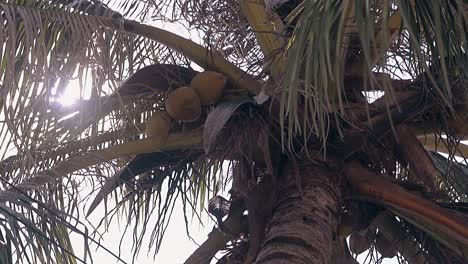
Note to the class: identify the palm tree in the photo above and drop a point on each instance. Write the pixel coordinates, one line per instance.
(328, 133)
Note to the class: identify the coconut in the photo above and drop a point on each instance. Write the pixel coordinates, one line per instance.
(209, 86)
(183, 104)
(358, 243)
(384, 246)
(157, 127)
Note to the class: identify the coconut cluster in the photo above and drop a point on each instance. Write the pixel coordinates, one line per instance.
(184, 103)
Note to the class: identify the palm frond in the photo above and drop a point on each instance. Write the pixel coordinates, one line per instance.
(454, 176)
(148, 194)
(45, 77)
(313, 89)
(88, 27)
(42, 51)
(37, 232)
(138, 166)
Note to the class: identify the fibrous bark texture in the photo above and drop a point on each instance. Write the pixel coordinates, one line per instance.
(303, 226)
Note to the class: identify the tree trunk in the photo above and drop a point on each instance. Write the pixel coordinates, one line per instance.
(303, 226)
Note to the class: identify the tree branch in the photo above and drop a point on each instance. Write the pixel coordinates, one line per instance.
(445, 227)
(413, 152)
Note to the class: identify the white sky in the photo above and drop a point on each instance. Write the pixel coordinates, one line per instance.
(176, 246)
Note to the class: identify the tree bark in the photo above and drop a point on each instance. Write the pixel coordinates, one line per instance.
(304, 223)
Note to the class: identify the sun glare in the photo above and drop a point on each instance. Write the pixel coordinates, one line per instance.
(74, 93)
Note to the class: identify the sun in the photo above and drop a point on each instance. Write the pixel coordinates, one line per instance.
(74, 93)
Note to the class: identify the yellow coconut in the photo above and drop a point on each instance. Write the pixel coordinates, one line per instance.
(384, 246)
(209, 86)
(158, 126)
(358, 243)
(183, 104)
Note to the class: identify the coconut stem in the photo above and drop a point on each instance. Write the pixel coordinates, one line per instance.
(147, 145)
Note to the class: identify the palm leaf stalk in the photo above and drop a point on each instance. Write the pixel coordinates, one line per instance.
(429, 217)
(175, 142)
(268, 30)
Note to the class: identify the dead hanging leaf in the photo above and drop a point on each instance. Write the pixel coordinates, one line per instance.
(218, 118)
(156, 77)
(138, 165)
(135, 167)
